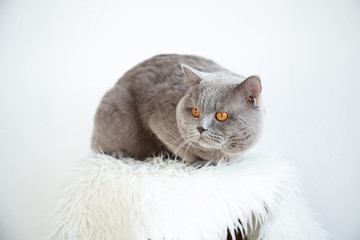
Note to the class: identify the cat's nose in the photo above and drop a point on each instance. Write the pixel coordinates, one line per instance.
(201, 129)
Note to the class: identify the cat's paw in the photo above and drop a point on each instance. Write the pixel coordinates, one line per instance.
(119, 154)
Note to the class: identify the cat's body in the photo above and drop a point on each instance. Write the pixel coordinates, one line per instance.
(149, 111)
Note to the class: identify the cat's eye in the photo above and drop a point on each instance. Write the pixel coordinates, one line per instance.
(195, 112)
(221, 116)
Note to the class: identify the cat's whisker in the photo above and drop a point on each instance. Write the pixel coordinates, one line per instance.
(188, 142)
(212, 154)
(180, 148)
(176, 138)
(187, 148)
(184, 143)
(224, 147)
(191, 141)
(173, 141)
(240, 141)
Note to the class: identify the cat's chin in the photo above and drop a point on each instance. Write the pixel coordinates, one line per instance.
(203, 143)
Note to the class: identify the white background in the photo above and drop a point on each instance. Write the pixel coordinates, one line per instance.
(57, 59)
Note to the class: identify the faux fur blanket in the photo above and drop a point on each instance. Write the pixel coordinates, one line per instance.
(162, 199)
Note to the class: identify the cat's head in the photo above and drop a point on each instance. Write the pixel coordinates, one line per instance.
(221, 110)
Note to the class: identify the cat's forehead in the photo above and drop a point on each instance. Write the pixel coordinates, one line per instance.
(213, 95)
(215, 90)
(219, 83)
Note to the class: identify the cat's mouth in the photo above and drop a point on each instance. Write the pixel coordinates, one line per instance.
(203, 142)
(207, 142)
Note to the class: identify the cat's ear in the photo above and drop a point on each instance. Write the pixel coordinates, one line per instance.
(250, 88)
(193, 76)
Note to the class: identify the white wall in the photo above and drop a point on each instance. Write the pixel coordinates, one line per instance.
(57, 59)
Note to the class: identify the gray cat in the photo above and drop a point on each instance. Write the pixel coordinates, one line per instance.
(185, 105)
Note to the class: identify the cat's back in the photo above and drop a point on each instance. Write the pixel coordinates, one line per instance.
(164, 68)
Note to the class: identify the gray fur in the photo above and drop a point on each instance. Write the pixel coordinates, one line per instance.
(148, 111)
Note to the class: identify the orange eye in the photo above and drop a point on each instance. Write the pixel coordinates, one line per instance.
(221, 116)
(195, 112)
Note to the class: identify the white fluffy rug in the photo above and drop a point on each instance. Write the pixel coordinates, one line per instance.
(161, 199)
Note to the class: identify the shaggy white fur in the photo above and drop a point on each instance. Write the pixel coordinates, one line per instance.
(106, 198)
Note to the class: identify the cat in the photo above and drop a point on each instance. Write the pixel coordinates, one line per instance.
(184, 105)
